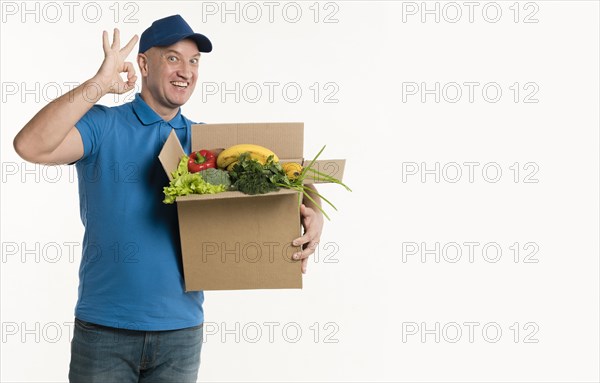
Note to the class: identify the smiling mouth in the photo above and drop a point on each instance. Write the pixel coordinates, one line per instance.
(180, 84)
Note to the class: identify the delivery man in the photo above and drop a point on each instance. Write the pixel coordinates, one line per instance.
(133, 319)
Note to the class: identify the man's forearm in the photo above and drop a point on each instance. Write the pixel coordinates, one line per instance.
(43, 134)
(308, 203)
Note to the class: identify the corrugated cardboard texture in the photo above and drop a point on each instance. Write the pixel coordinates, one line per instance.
(244, 244)
(234, 241)
(285, 139)
(230, 194)
(171, 153)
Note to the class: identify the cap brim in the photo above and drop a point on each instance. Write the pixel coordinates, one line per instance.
(203, 43)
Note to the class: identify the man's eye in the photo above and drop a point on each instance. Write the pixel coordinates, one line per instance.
(172, 59)
(194, 61)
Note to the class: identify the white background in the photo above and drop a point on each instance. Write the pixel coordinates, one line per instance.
(367, 297)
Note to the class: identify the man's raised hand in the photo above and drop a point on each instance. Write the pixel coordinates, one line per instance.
(109, 74)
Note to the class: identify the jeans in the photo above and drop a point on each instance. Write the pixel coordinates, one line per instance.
(111, 355)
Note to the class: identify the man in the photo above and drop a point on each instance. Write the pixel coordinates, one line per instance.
(134, 321)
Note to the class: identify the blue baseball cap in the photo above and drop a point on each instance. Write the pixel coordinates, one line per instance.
(168, 31)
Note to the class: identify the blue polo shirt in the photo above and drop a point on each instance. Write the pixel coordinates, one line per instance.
(131, 273)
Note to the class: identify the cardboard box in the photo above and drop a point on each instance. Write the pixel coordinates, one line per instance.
(248, 244)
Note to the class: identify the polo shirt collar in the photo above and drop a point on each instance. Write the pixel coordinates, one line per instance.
(148, 116)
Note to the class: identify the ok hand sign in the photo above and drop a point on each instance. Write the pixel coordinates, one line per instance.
(109, 74)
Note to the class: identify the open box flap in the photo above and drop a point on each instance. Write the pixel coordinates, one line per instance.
(333, 168)
(286, 139)
(171, 153)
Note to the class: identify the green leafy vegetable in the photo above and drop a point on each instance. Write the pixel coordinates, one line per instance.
(251, 177)
(184, 183)
(182, 167)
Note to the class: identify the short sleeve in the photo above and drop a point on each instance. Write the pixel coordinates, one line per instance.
(92, 126)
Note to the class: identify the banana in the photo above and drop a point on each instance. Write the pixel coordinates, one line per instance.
(257, 152)
(292, 170)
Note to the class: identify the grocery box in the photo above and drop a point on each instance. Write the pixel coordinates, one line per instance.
(248, 241)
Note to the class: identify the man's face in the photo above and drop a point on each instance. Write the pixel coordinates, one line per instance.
(171, 73)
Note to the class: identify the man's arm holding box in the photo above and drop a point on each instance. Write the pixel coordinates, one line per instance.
(312, 221)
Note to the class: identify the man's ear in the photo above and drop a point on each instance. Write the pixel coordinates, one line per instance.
(142, 61)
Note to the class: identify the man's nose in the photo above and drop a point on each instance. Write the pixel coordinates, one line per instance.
(185, 70)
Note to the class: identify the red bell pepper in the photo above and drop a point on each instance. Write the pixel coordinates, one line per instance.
(201, 160)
